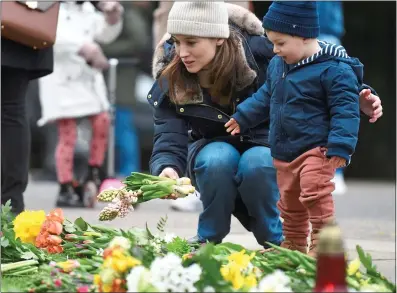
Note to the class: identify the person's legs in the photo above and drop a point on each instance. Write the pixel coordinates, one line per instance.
(215, 168)
(64, 152)
(99, 140)
(64, 156)
(257, 185)
(15, 137)
(294, 214)
(316, 187)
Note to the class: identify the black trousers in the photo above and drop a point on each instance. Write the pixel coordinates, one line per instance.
(15, 136)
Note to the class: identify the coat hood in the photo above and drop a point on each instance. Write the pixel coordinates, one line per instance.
(336, 52)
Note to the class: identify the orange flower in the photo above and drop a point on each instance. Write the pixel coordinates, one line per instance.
(107, 252)
(52, 227)
(117, 286)
(54, 249)
(41, 240)
(56, 215)
(54, 240)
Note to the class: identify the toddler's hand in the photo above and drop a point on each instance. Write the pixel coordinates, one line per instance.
(232, 126)
(337, 162)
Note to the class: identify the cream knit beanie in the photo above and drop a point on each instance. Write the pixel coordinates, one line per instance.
(199, 19)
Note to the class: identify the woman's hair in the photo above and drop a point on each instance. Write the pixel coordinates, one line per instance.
(223, 72)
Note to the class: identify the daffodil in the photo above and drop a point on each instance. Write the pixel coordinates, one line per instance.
(353, 267)
(27, 225)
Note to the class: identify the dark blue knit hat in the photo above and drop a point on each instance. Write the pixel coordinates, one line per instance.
(297, 18)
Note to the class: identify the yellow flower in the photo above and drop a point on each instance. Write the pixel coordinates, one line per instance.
(353, 267)
(237, 268)
(250, 281)
(120, 265)
(240, 258)
(232, 273)
(117, 253)
(97, 280)
(27, 225)
(69, 265)
(107, 287)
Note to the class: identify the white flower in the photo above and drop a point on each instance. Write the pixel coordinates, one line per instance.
(168, 274)
(168, 237)
(373, 288)
(139, 280)
(209, 289)
(120, 241)
(278, 281)
(134, 277)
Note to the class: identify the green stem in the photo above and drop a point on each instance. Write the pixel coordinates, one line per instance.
(19, 264)
(22, 272)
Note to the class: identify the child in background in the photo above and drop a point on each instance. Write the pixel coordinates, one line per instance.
(77, 88)
(312, 99)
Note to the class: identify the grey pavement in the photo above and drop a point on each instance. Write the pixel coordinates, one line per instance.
(366, 215)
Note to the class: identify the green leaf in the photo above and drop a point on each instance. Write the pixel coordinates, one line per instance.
(81, 224)
(69, 227)
(28, 255)
(161, 224)
(149, 234)
(4, 242)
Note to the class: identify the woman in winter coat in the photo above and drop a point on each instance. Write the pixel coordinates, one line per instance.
(215, 57)
(77, 88)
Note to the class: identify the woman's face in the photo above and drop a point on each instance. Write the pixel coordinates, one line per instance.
(196, 53)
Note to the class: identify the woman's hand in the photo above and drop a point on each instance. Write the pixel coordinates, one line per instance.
(232, 126)
(112, 10)
(371, 105)
(172, 174)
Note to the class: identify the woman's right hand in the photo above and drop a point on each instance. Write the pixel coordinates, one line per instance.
(172, 174)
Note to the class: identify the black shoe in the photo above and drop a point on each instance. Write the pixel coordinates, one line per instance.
(95, 175)
(196, 240)
(68, 197)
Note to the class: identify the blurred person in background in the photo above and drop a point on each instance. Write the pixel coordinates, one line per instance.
(331, 31)
(77, 88)
(134, 40)
(19, 65)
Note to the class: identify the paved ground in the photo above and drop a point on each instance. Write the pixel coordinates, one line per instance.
(367, 216)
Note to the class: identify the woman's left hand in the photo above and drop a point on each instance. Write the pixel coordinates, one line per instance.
(112, 10)
(370, 105)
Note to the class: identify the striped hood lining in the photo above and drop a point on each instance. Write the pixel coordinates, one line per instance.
(328, 49)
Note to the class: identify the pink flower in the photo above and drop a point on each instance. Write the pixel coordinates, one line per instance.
(58, 283)
(83, 289)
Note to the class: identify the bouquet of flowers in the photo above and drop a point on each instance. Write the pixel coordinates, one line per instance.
(140, 188)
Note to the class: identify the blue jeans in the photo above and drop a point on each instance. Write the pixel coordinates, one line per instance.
(224, 176)
(127, 144)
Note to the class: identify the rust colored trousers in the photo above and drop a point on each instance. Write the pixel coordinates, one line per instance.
(305, 194)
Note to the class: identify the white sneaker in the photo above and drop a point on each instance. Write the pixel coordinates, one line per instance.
(340, 185)
(190, 203)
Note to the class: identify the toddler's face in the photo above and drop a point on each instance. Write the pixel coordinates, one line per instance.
(290, 48)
